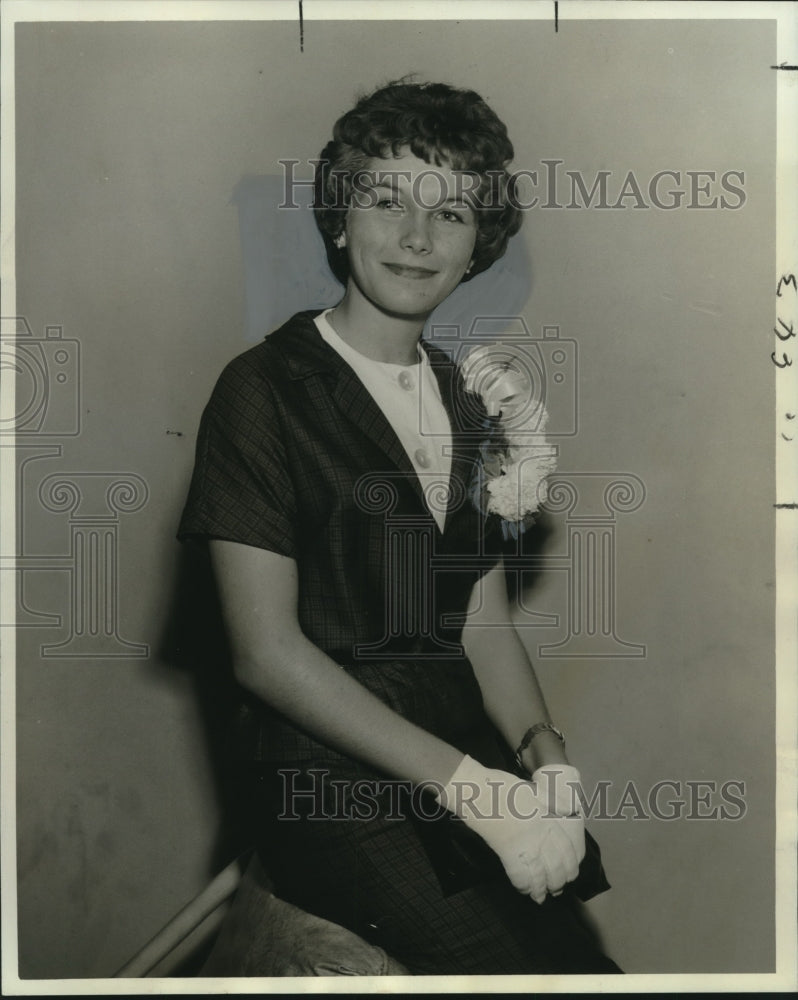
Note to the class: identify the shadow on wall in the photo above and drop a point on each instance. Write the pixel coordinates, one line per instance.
(285, 266)
(194, 641)
(524, 557)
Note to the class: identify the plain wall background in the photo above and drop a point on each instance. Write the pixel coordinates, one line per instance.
(131, 141)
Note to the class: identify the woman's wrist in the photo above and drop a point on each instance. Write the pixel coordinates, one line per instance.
(545, 748)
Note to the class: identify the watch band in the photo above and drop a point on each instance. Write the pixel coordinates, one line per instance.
(531, 733)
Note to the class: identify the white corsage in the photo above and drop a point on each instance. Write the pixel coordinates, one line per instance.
(515, 458)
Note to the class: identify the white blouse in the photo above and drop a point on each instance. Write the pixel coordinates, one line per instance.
(410, 398)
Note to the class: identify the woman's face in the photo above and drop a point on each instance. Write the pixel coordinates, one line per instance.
(410, 235)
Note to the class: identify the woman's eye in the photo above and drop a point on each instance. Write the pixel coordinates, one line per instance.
(389, 203)
(449, 216)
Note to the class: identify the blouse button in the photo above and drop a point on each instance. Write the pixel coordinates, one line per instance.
(422, 458)
(406, 380)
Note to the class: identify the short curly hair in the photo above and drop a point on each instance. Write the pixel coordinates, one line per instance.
(438, 124)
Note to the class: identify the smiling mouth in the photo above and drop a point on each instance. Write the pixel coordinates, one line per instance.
(410, 272)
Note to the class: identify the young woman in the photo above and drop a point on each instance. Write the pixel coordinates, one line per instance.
(362, 587)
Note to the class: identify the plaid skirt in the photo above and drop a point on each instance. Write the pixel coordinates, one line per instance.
(382, 859)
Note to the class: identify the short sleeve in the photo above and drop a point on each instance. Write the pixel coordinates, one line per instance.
(241, 489)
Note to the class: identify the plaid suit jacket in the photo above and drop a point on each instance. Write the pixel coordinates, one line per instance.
(295, 456)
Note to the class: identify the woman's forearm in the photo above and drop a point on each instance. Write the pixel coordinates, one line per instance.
(314, 692)
(510, 690)
(274, 659)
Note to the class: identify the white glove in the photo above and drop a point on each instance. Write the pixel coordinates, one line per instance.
(515, 821)
(555, 784)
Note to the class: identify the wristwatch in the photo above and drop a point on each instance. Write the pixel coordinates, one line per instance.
(531, 733)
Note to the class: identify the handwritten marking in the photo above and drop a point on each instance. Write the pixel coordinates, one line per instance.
(301, 29)
(786, 506)
(787, 332)
(784, 66)
(556, 15)
(176, 433)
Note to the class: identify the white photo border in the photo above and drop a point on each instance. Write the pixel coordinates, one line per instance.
(786, 494)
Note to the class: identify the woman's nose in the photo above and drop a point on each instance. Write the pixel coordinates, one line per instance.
(417, 235)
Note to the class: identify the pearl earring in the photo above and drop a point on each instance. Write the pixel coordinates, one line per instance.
(340, 241)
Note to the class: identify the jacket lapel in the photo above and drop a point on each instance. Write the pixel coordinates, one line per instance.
(462, 409)
(358, 405)
(307, 353)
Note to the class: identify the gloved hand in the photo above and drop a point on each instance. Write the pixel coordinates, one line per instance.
(515, 821)
(555, 785)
